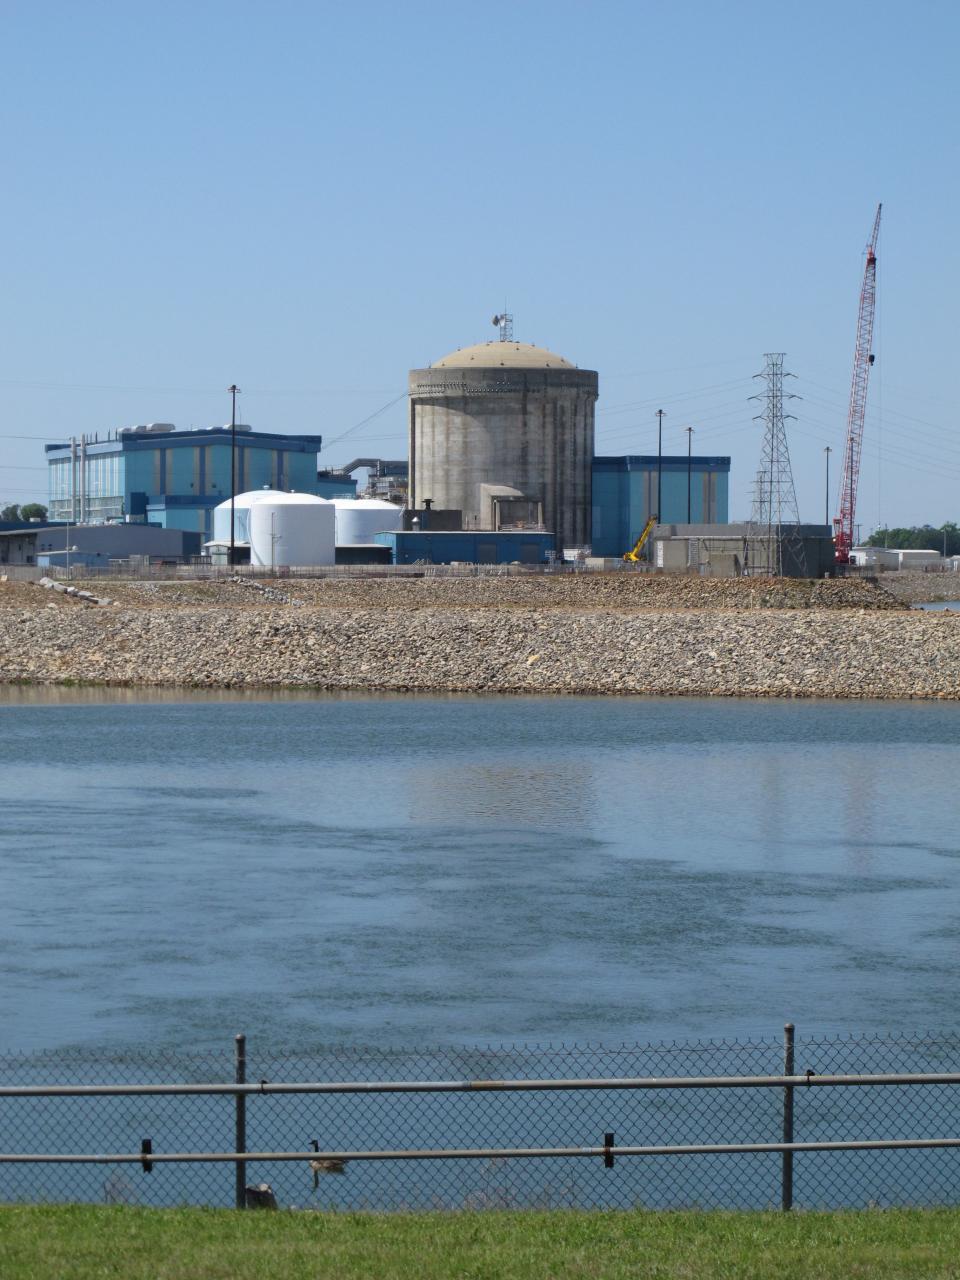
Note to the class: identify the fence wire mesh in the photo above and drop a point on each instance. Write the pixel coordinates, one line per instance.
(536, 1118)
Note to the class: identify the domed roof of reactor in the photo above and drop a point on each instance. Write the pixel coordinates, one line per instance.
(506, 355)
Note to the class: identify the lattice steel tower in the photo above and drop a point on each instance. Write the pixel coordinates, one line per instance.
(504, 322)
(775, 519)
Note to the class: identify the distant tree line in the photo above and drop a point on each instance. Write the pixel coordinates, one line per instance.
(29, 511)
(923, 537)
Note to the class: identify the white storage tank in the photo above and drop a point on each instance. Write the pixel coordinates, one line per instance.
(358, 519)
(242, 504)
(292, 529)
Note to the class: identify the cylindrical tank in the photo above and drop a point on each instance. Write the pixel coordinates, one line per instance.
(504, 415)
(358, 519)
(292, 529)
(242, 504)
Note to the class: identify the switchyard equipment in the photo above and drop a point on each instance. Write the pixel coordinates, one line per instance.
(502, 431)
(863, 360)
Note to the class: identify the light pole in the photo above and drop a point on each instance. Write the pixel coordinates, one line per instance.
(234, 392)
(826, 505)
(659, 464)
(689, 472)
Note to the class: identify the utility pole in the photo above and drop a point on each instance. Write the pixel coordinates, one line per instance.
(689, 472)
(826, 509)
(234, 392)
(659, 465)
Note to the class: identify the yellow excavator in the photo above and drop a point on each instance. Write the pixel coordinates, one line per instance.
(634, 554)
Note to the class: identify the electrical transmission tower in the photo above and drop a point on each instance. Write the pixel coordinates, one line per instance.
(775, 519)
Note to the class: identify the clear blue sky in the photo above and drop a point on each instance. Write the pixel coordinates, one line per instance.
(309, 199)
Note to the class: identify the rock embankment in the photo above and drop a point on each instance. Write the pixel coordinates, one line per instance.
(921, 588)
(812, 652)
(621, 590)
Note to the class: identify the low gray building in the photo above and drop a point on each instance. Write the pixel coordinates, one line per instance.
(94, 544)
(743, 550)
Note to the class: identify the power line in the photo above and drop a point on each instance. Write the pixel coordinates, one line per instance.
(190, 391)
(691, 394)
(356, 427)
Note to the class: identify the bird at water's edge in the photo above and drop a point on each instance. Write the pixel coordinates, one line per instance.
(324, 1166)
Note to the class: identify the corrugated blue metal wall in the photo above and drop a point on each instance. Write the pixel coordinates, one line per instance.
(177, 478)
(625, 495)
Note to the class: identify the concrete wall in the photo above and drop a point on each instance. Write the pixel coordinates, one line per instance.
(528, 429)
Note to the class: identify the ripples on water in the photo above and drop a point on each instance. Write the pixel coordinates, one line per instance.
(443, 870)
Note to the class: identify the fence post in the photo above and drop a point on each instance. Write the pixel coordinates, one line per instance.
(786, 1182)
(240, 1134)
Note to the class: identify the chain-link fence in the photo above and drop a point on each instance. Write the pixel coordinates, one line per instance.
(473, 1112)
(200, 569)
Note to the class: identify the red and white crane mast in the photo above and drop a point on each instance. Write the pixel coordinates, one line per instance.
(862, 362)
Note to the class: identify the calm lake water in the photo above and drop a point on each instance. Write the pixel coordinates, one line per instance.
(459, 870)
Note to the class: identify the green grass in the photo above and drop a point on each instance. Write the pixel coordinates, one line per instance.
(87, 1243)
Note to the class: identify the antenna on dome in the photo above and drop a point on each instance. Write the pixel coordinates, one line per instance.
(504, 323)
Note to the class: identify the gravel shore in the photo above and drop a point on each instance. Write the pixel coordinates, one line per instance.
(596, 634)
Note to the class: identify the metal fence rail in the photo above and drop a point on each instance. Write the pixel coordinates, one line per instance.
(806, 1122)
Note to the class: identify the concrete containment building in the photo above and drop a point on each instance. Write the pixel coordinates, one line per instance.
(503, 432)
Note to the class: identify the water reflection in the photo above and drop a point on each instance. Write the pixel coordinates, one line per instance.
(514, 792)
(462, 869)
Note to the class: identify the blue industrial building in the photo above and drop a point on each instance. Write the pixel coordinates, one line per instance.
(528, 546)
(160, 476)
(157, 475)
(625, 496)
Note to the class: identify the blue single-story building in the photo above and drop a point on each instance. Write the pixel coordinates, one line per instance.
(470, 546)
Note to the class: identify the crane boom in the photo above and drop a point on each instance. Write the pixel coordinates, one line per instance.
(843, 524)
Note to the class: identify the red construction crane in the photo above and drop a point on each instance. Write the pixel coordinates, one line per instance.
(862, 362)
